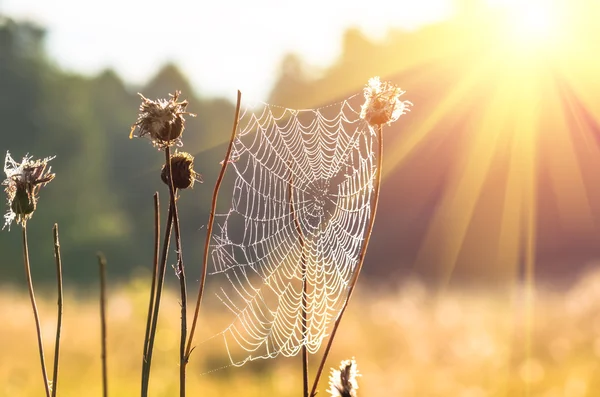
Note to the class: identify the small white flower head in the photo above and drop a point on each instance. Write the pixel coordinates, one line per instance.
(23, 182)
(382, 103)
(162, 120)
(342, 382)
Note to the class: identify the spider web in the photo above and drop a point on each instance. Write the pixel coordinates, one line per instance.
(288, 245)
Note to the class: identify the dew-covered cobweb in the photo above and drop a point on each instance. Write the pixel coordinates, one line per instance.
(301, 190)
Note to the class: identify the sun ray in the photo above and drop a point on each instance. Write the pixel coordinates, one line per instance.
(577, 63)
(451, 104)
(452, 219)
(527, 130)
(509, 241)
(586, 129)
(562, 163)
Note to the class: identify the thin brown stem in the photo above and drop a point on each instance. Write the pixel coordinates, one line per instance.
(102, 268)
(60, 308)
(304, 289)
(154, 274)
(209, 228)
(361, 259)
(35, 310)
(180, 274)
(304, 329)
(156, 306)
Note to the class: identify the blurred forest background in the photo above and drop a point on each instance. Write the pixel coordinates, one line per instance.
(490, 182)
(102, 195)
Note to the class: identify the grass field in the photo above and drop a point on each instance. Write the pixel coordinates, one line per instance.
(409, 342)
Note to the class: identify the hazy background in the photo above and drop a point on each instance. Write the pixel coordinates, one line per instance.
(490, 186)
(492, 173)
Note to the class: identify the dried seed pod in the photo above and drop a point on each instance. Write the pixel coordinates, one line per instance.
(23, 203)
(382, 103)
(342, 382)
(162, 120)
(183, 172)
(23, 182)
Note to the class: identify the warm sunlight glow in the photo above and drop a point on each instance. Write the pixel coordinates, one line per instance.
(514, 132)
(530, 23)
(535, 22)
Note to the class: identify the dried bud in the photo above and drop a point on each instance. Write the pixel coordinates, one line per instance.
(382, 103)
(342, 382)
(162, 120)
(23, 203)
(23, 181)
(183, 171)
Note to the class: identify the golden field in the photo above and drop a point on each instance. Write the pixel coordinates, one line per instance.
(409, 342)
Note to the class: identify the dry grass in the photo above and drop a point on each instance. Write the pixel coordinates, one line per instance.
(463, 343)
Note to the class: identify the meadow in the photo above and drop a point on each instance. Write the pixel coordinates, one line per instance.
(408, 341)
(492, 171)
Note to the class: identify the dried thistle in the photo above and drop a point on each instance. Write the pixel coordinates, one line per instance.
(382, 103)
(342, 382)
(162, 120)
(184, 176)
(23, 181)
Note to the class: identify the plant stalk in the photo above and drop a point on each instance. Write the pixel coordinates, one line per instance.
(180, 274)
(361, 260)
(102, 268)
(209, 228)
(60, 308)
(156, 305)
(35, 310)
(304, 298)
(154, 276)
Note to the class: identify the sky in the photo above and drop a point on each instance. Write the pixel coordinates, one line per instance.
(221, 45)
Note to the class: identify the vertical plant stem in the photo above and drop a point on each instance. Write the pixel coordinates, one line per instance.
(304, 329)
(209, 228)
(304, 290)
(154, 277)
(60, 308)
(156, 306)
(361, 259)
(35, 310)
(180, 274)
(102, 268)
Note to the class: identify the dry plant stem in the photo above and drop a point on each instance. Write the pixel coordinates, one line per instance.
(181, 275)
(154, 274)
(361, 260)
(304, 329)
(102, 268)
(156, 305)
(304, 292)
(35, 310)
(209, 228)
(60, 308)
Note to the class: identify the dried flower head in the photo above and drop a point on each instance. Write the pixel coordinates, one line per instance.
(162, 120)
(183, 172)
(23, 181)
(382, 103)
(342, 382)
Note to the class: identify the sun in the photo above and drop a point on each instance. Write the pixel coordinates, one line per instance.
(530, 24)
(535, 22)
(514, 134)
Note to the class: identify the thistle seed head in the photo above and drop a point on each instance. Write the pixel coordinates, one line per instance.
(161, 120)
(382, 103)
(184, 176)
(342, 382)
(23, 182)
